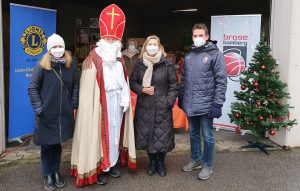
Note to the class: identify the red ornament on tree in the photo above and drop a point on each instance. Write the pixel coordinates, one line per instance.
(263, 67)
(243, 87)
(237, 115)
(270, 118)
(272, 132)
(259, 104)
(256, 85)
(261, 118)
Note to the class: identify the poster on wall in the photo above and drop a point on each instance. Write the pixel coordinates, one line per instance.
(237, 37)
(29, 29)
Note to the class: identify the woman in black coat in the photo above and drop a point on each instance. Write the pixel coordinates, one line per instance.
(154, 80)
(53, 93)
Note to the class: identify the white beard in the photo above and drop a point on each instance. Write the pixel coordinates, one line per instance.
(109, 52)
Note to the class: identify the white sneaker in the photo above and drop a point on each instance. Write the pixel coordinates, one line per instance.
(192, 165)
(205, 173)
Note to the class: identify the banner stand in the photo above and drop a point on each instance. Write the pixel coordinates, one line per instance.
(29, 29)
(237, 37)
(19, 138)
(2, 98)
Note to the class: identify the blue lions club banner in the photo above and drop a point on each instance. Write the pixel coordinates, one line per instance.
(29, 30)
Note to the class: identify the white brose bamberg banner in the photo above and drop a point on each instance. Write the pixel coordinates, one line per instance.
(237, 37)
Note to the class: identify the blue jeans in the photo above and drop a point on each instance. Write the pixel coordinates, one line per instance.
(50, 159)
(202, 127)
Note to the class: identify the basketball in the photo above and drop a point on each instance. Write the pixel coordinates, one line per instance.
(235, 64)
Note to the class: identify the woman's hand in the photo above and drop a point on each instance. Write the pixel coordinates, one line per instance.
(149, 91)
(75, 112)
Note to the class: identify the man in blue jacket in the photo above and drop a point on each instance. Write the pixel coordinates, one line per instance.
(201, 96)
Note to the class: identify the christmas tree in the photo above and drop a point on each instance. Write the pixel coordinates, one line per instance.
(261, 104)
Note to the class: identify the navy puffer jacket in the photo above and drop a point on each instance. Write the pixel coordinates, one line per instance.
(204, 80)
(54, 119)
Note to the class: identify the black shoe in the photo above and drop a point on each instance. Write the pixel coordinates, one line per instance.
(114, 172)
(49, 183)
(59, 181)
(161, 168)
(102, 179)
(152, 165)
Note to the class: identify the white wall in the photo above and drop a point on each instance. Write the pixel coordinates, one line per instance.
(285, 41)
(2, 100)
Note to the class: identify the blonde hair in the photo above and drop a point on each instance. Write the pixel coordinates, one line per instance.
(160, 46)
(46, 60)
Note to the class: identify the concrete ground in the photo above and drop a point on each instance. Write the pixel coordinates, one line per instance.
(226, 141)
(233, 171)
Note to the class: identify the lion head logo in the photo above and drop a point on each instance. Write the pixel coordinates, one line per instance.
(33, 40)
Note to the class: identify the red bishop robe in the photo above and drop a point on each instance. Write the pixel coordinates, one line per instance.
(90, 149)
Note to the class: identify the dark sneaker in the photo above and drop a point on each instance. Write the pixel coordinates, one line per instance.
(49, 183)
(102, 179)
(59, 181)
(192, 165)
(114, 172)
(205, 173)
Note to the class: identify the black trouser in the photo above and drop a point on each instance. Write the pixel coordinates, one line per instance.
(50, 159)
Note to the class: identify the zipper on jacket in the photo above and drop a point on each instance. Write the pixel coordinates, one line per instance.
(191, 90)
(60, 106)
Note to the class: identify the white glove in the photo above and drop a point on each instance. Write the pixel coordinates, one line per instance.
(125, 106)
(125, 109)
(125, 97)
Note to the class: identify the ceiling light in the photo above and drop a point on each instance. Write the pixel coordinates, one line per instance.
(186, 10)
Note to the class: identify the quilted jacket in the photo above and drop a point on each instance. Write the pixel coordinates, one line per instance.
(203, 80)
(153, 121)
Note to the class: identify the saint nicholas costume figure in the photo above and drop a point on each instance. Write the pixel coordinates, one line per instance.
(104, 132)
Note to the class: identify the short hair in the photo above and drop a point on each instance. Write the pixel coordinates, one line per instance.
(200, 26)
(132, 41)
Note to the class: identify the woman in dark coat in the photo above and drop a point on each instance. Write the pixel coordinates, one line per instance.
(53, 93)
(154, 80)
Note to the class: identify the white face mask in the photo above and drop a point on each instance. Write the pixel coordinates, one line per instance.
(199, 41)
(131, 48)
(152, 49)
(57, 52)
